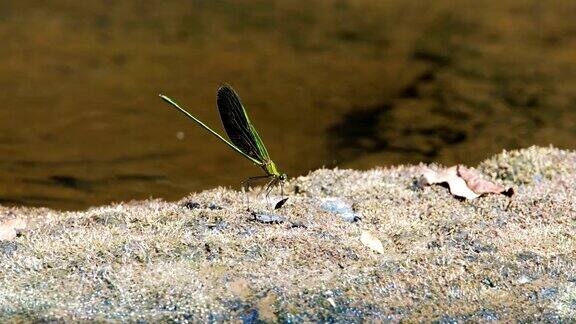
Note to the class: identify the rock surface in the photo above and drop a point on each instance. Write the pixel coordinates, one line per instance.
(493, 258)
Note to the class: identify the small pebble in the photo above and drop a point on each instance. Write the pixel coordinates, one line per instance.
(8, 248)
(268, 218)
(192, 205)
(524, 280)
(340, 207)
(213, 206)
(548, 293)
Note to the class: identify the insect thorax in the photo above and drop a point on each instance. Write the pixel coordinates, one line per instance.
(270, 168)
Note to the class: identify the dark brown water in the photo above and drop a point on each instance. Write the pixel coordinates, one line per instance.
(327, 83)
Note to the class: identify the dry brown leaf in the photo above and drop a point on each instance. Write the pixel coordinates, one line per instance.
(457, 185)
(480, 186)
(463, 182)
(10, 228)
(372, 242)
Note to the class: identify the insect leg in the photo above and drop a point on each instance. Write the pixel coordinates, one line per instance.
(246, 183)
(269, 186)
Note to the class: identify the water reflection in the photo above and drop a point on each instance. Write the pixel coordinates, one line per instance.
(348, 83)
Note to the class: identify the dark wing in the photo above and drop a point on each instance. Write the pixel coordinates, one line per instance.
(238, 126)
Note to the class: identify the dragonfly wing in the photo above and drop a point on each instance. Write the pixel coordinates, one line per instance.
(238, 126)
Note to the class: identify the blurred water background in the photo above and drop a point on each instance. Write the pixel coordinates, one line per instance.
(347, 83)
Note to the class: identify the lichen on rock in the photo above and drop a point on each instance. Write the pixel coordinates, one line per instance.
(439, 258)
